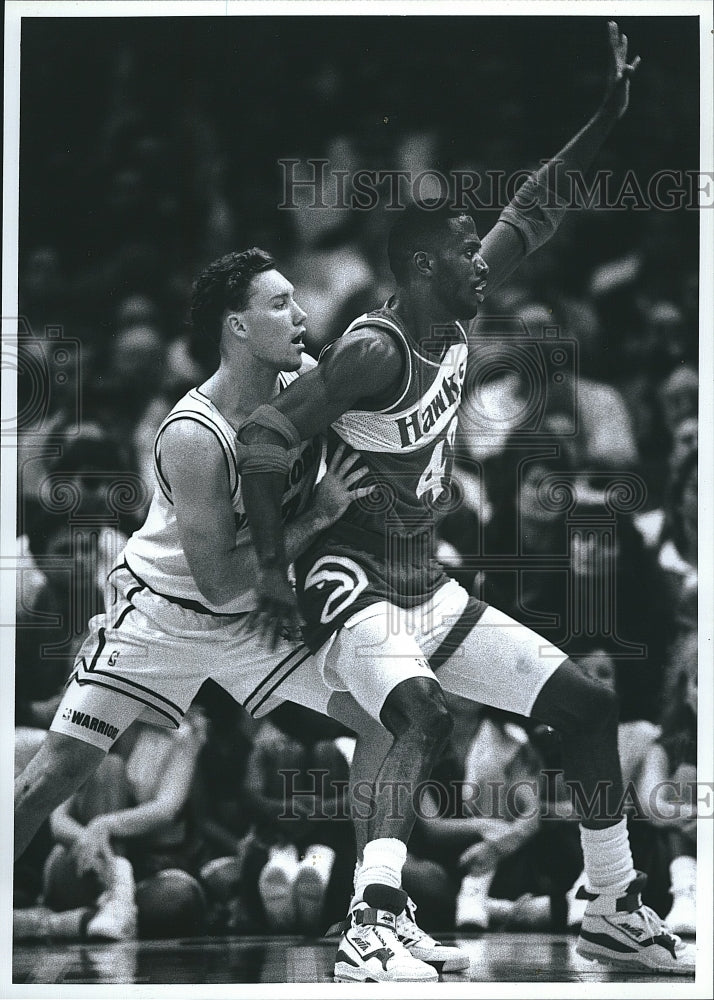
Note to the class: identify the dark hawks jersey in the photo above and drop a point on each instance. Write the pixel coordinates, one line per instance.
(408, 446)
(382, 547)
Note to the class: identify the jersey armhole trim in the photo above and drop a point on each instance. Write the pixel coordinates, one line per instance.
(228, 456)
(390, 327)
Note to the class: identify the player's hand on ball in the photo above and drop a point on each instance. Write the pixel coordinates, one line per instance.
(277, 612)
(338, 487)
(619, 73)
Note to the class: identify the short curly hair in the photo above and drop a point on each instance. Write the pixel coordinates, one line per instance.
(420, 226)
(224, 284)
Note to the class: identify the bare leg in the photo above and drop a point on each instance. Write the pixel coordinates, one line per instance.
(416, 714)
(418, 724)
(373, 742)
(585, 714)
(56, 771)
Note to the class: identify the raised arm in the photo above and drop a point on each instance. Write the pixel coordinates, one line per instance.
(367, 364)
(538, 207)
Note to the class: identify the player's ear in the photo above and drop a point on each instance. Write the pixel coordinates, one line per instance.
(235, 321)
(423, 262)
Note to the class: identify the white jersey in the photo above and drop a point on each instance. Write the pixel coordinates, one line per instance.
(154, 554)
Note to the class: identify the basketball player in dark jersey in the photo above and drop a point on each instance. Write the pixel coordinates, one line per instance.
(372, 594)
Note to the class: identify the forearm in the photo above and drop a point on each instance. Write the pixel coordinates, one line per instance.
(454, 834)
(301, 532)
(262, 497)
(140, 819)
(540, 203)
(515, 834)
(65, 830)
(266, 808)
(234, 573)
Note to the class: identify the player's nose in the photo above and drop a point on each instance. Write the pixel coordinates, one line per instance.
(481, 267)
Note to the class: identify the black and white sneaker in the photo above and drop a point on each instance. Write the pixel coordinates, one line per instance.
(618, 931)
(370, 950)
(444, 957)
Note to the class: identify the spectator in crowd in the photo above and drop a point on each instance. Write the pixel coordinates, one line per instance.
(133, 822)
(51, 629)
(667, 788)
(677, 555)
(604, 571)
(294, 788)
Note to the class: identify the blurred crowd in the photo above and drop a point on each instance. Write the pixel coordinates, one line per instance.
(574, 507)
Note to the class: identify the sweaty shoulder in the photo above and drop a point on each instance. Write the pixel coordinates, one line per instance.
(189, 446)
(370, 357)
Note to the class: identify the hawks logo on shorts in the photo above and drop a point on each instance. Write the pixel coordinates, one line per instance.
(332, 585)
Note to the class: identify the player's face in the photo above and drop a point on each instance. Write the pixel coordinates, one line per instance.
(274, 323)
(459, 269)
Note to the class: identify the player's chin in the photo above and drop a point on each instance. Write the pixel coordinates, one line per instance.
(294, 362)
(468, 309)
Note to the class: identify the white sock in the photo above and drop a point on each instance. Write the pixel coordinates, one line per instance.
(683, 875)
(608, 859)
(477, 883)
(382, 862)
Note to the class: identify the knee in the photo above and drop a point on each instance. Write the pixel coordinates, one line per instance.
(598, 710)
(604, 709)
(575, 705)
(418, 705)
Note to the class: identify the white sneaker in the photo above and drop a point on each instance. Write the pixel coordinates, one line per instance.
(313, 875)
(444, 958)
(471, 905)
(682, 918)
(275, 885)
(370, 950)
(620, 932)
(116, 916)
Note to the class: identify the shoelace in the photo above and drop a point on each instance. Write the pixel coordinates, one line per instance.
(654, 925)
(415, 931)
(409, 916)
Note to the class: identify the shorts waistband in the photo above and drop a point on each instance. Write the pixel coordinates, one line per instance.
(415, 548)
(182, 602)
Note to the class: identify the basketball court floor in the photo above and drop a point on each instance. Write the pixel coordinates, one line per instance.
(502, 957)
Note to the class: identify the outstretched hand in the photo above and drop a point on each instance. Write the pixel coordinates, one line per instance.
(338, 487)
(619, 73)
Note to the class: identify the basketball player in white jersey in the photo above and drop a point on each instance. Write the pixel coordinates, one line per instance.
(179, 604)
(371, 591)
